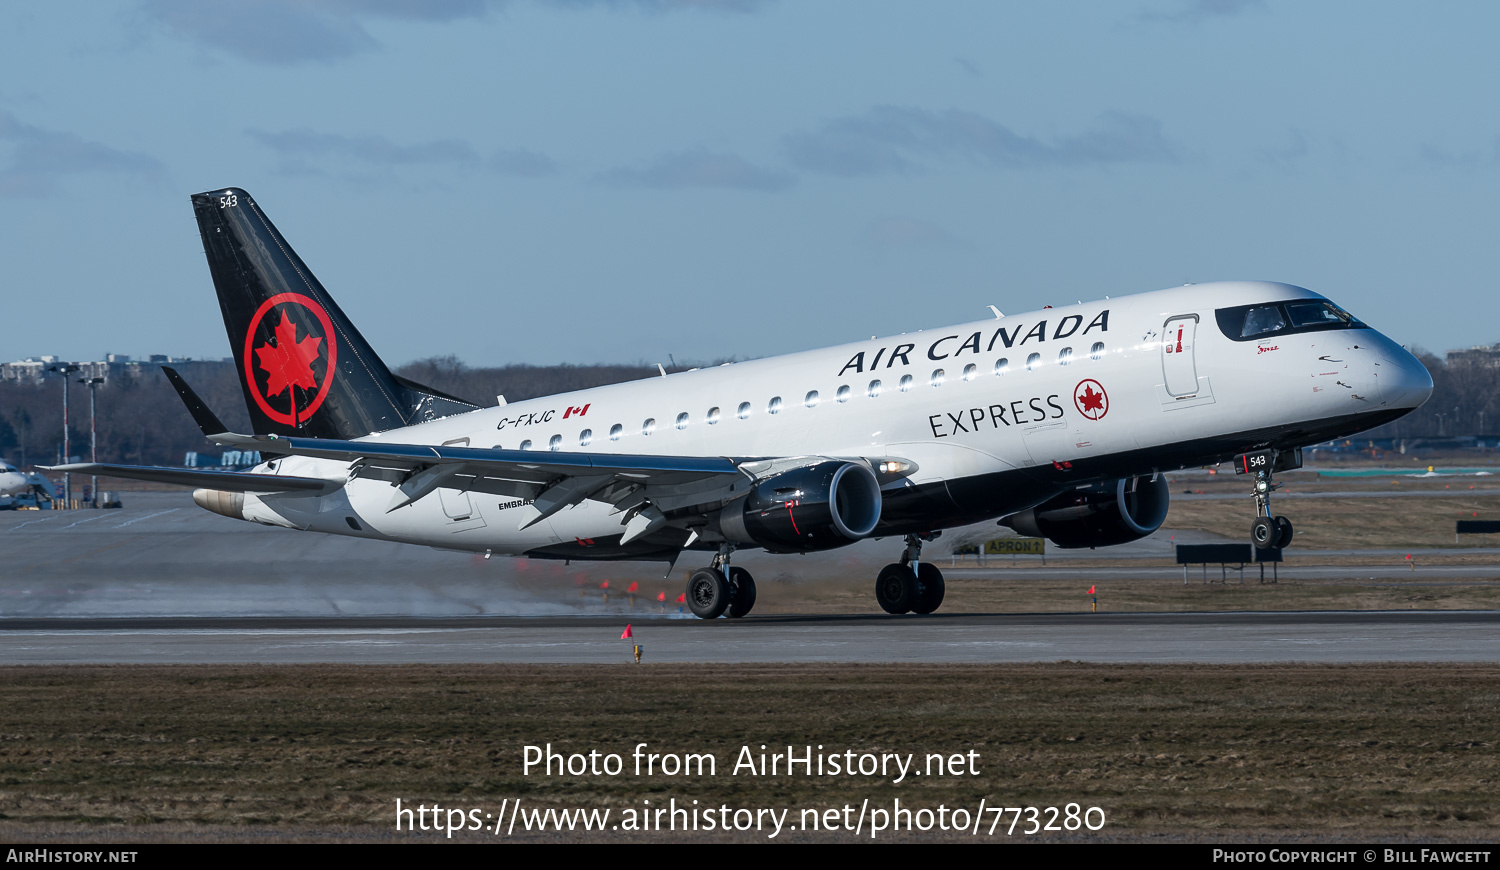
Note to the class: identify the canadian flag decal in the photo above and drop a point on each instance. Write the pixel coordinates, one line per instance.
(572, 411)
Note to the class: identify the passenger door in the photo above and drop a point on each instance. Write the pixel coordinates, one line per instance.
(1177, 361)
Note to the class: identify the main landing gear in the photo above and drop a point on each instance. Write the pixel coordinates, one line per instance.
(1268, 532)
(910, 585)
(720, 590)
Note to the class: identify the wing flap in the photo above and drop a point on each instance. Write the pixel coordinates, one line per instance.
(523, 466)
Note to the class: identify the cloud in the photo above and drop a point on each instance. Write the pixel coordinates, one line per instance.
(1438, 155)
(698, 168)
(895, 139)
(303, 31)
(295, 31)
(739, 6)
(969, 67)
(527, 164)
(307, 152)
(1199, 11)
(906, 232)
(1287, 156)
(305, 143)
(40, 158)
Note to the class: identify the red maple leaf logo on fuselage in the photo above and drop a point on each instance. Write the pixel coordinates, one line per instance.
(288, 362)
(1092, 401)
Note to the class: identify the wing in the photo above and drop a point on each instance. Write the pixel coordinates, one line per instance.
(232, 481)
(646, 486)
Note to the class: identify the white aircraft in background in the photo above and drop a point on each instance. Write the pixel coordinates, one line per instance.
(1058, 422)
(14, 483)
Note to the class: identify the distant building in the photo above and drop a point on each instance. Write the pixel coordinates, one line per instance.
(35, 370)
(1479, 356)
(26, 371)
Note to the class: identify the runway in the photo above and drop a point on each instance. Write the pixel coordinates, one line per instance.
(1239, 638)
(163, 556)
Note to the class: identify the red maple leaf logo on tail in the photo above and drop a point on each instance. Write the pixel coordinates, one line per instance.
(288, 362)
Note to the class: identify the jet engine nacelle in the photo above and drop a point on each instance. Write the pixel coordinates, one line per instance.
(1101, 515)
(815, 507)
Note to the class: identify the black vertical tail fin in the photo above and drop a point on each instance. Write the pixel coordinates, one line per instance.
(304, 367)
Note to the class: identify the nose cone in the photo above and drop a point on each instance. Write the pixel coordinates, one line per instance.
(1405, 382)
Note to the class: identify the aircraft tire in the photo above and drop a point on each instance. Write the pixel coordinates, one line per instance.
(708, 593)
(1283, 532)
(742, 593)
(1263, 533)
(895, 587)
(930, 589)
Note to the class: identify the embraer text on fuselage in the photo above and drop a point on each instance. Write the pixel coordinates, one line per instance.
(950, 346)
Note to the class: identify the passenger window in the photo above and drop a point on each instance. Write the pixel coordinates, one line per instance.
(937, 378)
(554, 443)
(712, 416)
(615, 431)
(774, 406)
(971, 371)
(1033, 361)
(1002, 366)
(904, 384)
(842, 395)
(1097, 351)
(585, 437)
(811, 400)
(649, 426)
(1065, 356)
(873, 389)
(682, 420)
(744, 410)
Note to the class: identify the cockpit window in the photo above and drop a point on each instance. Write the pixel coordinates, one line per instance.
(1317, 313)
(1265, 320)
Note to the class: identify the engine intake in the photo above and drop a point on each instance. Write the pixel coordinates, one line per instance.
(1101, 515)
(816, 507)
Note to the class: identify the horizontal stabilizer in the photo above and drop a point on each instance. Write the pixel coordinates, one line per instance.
(206, 419)
(230, 481)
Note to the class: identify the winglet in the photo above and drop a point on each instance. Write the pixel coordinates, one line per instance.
(206, 419)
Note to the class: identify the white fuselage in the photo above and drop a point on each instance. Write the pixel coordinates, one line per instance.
(1114, 388)
(12, 481)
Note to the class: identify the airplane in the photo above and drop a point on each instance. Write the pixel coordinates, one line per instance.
(14, 482)
(1058, 423)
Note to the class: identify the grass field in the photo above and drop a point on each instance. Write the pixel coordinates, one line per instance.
(1184, 752)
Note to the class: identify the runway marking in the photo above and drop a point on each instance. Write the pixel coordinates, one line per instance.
(80, 522)
(29, 522)
(146, 517)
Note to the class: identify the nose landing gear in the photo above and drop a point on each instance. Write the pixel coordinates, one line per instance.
(911, 585)
(1268, 532)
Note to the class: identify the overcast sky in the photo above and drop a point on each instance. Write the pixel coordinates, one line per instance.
(582, 181)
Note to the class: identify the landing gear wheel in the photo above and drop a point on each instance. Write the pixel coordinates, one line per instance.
(742, 593)
(895, 588)
(708, 593)
(1263, 533)
(1283, 532)
(930, 589)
